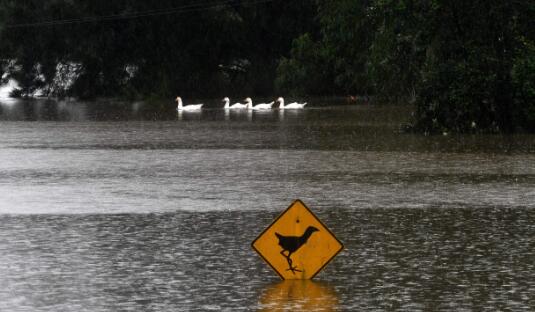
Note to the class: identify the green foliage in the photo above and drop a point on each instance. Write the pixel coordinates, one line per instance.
(335, 62)
(399, 46)
(346, 34)
(231, 48)
(467, 82)
(305, 71)
(466, 65)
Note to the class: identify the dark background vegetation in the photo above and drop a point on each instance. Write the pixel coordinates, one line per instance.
(466, 65)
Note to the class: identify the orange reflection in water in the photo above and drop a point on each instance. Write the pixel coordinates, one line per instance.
(298, 295)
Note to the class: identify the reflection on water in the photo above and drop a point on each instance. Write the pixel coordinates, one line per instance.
(189, 115)
(31, 110)
(298, 295)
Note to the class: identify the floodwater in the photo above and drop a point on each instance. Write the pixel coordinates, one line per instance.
(110, 206)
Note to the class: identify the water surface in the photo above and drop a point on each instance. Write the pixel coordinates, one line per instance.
(112, 206)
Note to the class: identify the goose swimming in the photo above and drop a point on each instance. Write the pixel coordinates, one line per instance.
(190, 107)
(261, 106)
(233, 106)
(293, 105)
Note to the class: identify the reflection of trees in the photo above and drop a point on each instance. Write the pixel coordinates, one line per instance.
(28, 110)
(49, 110)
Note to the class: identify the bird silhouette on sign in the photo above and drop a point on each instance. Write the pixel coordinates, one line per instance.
(291, 244)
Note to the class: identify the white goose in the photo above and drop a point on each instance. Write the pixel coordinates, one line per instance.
(293, 105)
(233, 106)
(261, 106)
(191, 107)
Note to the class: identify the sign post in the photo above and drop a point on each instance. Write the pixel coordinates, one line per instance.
(297, 245)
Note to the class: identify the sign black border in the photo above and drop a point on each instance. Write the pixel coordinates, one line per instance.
(276, 219)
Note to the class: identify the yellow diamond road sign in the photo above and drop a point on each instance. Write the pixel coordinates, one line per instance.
(297, 245)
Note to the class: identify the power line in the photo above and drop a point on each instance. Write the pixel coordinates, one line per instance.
(176, 10)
